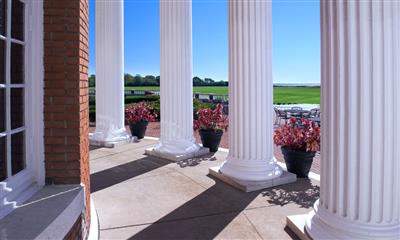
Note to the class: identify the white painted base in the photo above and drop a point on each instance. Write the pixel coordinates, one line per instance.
(250, 186)
(297, 224)
(94, 231)
(49, 214)
(111, 144)
(15, 191)
(175, 158)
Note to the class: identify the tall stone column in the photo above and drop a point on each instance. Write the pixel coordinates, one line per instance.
(250, 93)
(360, 167)
(110, 127)
(176, 86)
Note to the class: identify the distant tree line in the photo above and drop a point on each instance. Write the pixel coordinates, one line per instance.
(150, 80)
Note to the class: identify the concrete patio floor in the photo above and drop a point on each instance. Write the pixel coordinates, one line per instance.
(140, 197)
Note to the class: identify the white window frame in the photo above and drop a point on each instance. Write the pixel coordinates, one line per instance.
(18, 188)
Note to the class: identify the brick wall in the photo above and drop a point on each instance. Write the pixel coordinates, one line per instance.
(76, 231)
(66, 93)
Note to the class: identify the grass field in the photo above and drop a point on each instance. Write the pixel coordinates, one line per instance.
(282, 95)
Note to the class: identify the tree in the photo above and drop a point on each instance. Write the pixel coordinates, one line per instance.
(209, 82)
(92, 80)
(128, 80)
(150, 80)
(198, 81)
(137, 80)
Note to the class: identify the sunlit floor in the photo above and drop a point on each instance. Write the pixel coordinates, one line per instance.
(139, 197)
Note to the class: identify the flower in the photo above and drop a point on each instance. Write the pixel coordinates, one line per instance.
(139, 112)
(211, 119)
(303, 135)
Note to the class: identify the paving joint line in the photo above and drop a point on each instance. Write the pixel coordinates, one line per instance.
(252, 224)
(175, 220)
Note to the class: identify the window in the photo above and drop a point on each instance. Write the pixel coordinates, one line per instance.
(21, 101)
(12, 89)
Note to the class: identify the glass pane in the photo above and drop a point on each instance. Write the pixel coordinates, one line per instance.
(17, 63)
(2, 61)
(2, 109)
(3, 17)
(17, 20)
(17, 108)
(3, 159)
(17, 152)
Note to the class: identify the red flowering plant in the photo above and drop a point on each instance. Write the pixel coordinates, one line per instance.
(211, 119)
(139, 112)
(300, 135)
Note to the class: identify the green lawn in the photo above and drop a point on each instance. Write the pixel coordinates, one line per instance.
(282, 95)
(292, 95)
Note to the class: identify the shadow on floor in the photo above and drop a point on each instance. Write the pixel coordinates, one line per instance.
(192, 162)
(203, 217)
(291, 234)
(91, 147)
(111, 176)
(302, 193)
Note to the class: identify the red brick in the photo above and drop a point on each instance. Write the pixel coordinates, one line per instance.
(65, 95)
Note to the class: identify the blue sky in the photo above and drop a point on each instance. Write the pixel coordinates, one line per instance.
(296, 39)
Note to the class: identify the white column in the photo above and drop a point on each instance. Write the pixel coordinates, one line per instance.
(110, 127)
(360, 167)
(176, 84)
(250, 92)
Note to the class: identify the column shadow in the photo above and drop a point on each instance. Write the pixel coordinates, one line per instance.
(303, 193)
(111, 176)
(203, 217)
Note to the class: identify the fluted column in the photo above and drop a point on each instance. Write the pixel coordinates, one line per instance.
(360, 167)
(110, 127)
(250, 92)
(176, 87)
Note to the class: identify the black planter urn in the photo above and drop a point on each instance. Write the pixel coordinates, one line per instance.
(138, 129)
(211, 139)
(298, 162)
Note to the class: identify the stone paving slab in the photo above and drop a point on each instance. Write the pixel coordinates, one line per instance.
(140, 197)
(223, 226)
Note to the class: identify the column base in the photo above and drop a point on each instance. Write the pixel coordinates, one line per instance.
(97, 139)
(321, 224)
(251, 186)
(177, 150)
(258, 170)
(177, 157)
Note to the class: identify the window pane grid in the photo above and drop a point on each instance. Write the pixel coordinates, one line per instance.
(3, 17)
(16, 41)
(3, 159)
(12, 89)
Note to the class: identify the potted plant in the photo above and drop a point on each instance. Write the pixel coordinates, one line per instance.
(299, 141)
(211, 124)
(138, 116)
